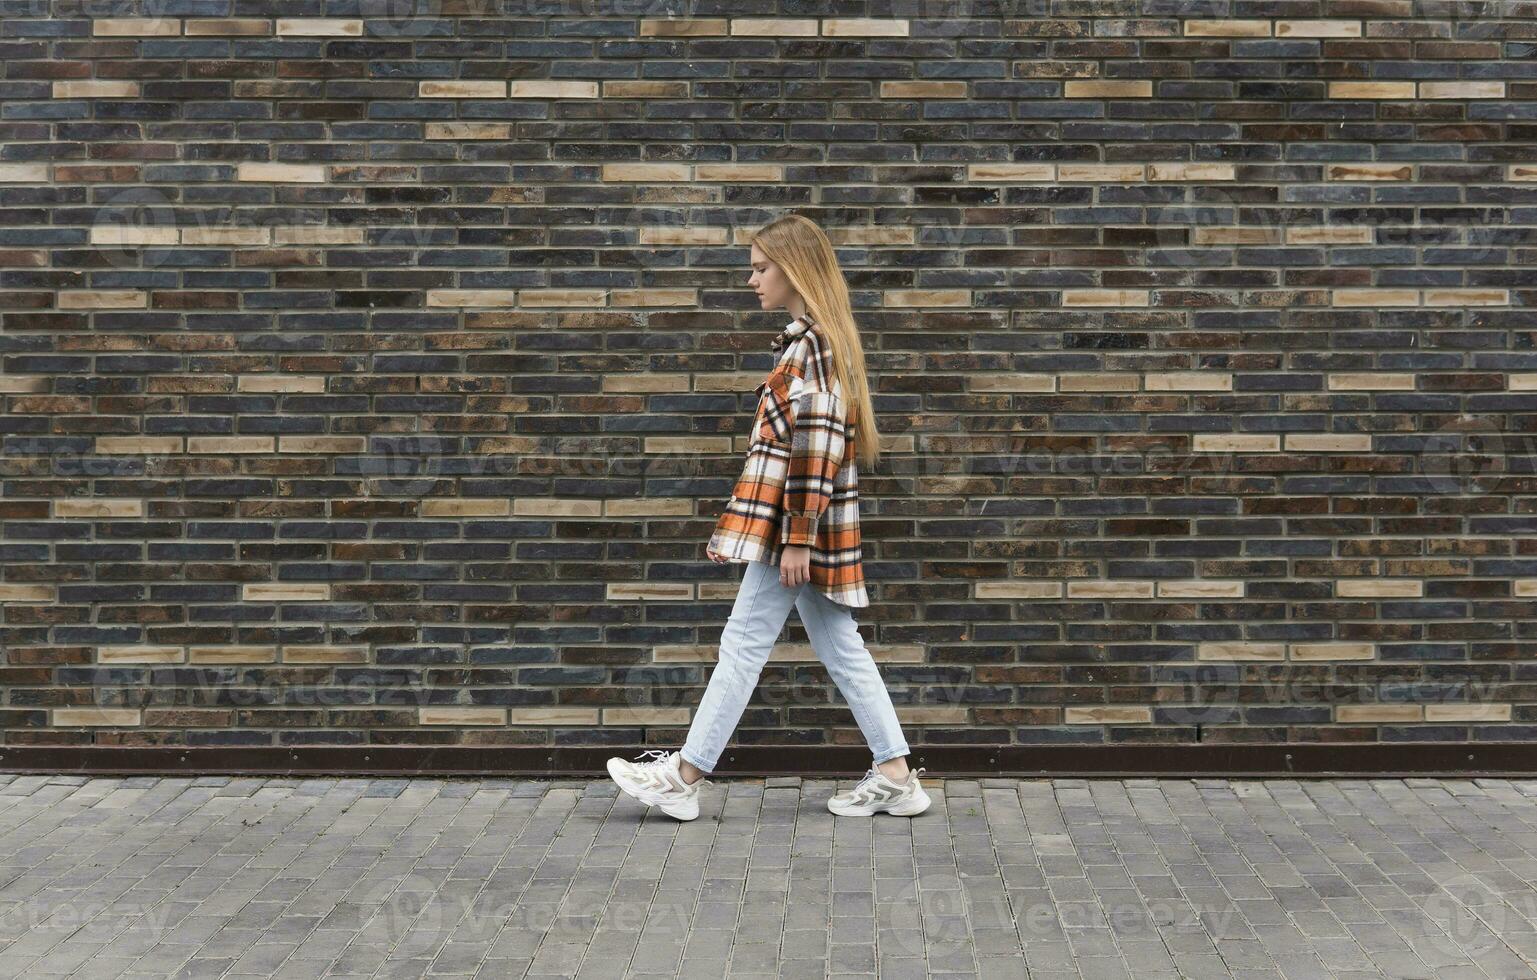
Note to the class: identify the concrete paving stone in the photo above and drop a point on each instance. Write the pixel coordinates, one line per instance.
(381, 877)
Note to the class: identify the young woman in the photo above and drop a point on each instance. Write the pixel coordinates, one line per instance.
(794, 520)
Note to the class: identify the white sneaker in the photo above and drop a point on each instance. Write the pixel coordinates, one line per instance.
(876, 793)
(659, 782)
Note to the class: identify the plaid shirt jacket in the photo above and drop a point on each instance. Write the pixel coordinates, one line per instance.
(800, 484)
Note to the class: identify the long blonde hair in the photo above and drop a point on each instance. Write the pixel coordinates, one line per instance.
(798, 246)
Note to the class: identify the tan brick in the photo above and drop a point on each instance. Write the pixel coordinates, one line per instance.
(892, 235)
(1525, 588)
(325, 654)
(322, 444)
(232, 655)
(1104, 589)
(1128, 714)
(138, 445)
(684, 27)
(1332, 651)
(1328, 442)
(468, 131)
(669, 383)
(1236, 236)
(1516, 171)
(226, 445)
(688, 444)
(1462, 90)
(1379, 588)
(281, 383)
(1102, 173)
(1370, 381)
(285, 591)
(130, 235)
(1514, 382)
(471, 297)
(1099, 381)
(88, 717)
(1377, 713)
(281, 173)
(536, 88)
(896, 653)
(1189, 381)
(467, 507)
(1101, 88)
(666, 591)
(1236, 442)
(319, 27)
(479, 88)
(92, 507)
(1001, 172)
(1012, 382)
(95, 88)
(317, 235)
(140, 654)
(1371, 90)
(682, 236)
(1200, 588)
(586, 717)
(136, 27)
(864, 27)
(225, 236)
(102, 299)
(1467, 297)
(649, 507)
(1105, 297)
(927, 297)
(774, 27)
(1363, 172)
(1227, 28)
(447, 715)
(563, 297)
(1191, 171)
(18, 592)
(628, 89)
(655, 297)
(665, 173)
(740, 172)
(1467, 712)
(227, 27)
(923, 90)
(1240, 650)
(1317, 28)
(647, 716)
(20, 384)
(1376, 297)
(1019, 590)
(1329, 235)
(925, 715)
(23, 173)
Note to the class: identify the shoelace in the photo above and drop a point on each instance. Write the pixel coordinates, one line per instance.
(873, 773)
(663, 757)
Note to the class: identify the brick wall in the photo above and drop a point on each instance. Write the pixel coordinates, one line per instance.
(377, 380)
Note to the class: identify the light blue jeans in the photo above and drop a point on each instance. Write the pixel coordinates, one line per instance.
(762, 605)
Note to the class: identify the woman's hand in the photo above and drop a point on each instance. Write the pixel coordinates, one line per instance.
(713, 556)
(795, 565)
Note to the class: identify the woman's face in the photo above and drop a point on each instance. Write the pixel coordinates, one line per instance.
(769, 282)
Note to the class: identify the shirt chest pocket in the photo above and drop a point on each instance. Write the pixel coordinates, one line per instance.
(775, 420)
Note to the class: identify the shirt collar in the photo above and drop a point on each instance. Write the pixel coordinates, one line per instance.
(797, 326)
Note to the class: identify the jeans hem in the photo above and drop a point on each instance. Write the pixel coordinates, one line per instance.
(687, 757)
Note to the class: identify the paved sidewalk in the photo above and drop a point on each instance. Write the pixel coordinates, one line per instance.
(140, 877)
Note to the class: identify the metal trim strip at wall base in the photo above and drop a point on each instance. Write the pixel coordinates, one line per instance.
(1094, 761)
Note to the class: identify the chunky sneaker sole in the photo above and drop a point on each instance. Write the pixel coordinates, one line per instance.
(657, 788)
(877, 794)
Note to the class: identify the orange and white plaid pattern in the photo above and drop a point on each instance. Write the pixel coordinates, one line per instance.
(800, 484)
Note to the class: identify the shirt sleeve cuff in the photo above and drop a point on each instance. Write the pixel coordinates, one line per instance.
(796, 529)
